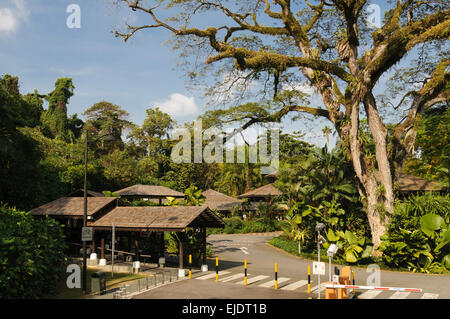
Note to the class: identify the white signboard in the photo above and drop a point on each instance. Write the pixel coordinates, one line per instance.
(318, 268)
(86, 234)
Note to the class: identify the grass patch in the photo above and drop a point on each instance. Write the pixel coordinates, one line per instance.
(76, 293)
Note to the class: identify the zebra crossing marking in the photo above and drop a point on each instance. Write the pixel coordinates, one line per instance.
(369, 294)
(232, 277)
(213, 275)
(253, 279)
(322, 287)
(295, 285)
(429, 295)
(399, 295)
(272, 282)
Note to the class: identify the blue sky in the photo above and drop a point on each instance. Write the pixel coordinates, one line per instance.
(37, 46)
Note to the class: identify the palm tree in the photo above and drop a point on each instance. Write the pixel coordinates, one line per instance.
(327, 130)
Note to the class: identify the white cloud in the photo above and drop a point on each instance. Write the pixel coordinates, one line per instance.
(10, 18)
(178, 105)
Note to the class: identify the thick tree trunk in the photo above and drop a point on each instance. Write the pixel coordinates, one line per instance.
(377, 221)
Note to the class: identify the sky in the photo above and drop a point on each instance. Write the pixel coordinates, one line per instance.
(38, 46)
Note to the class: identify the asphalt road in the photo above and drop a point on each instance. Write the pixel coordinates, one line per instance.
(261, 257)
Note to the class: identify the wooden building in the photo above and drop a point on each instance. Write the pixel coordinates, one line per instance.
(154, 193)
(220, 202)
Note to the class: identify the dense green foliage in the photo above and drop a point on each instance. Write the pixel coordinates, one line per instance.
(31, 255)
(235, 225)
(418, 237)
(432, 157)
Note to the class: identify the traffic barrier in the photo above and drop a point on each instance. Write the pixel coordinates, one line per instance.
(276, 276)
(373, 288)
(245, 272)
(217, 269)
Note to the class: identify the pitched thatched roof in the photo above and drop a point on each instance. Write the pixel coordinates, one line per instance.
(264, 191)
(73, 206)
(408, 183)
(219, 201)
(149, 191)
(273, 175)
(158, 218)
(80, 193)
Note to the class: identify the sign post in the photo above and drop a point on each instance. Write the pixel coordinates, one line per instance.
(86, 234)
(318, 269)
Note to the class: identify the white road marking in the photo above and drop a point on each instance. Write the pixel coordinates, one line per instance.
(428, 295)
(244, 250)
(253, 279)
(232, 277)
(370, 294)
(213, 275)
(322, 287)
(272, 282)
(295, 285)
(399, 295)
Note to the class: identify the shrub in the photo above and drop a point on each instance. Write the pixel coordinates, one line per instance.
(418, 236)
(31, 255)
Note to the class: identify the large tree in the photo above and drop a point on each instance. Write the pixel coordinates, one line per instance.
(328, 45)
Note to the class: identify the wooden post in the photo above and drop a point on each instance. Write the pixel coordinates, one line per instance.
(204, 245)
(93, 242)
(180, 252)
(103, 248)
(162, 244)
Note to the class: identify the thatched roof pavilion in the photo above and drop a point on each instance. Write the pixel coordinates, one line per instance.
(158, 218)
(265, 191)
(219, 201)
(73, 207)
(410, 184)
(149, 191)
(89, 193)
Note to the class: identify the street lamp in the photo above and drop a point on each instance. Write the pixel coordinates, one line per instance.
(320, 240)
(332, 250)
(108, 138)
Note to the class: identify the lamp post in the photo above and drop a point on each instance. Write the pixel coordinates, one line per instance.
(108, 138)
(320, 240)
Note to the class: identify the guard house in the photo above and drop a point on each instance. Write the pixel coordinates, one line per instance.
(154, 193)
(69, 211)
(220, 202)
(134, 224)
(161, 219)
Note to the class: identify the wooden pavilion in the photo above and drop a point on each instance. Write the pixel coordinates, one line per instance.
(262, 193)
(133, 222)
(408, 184)
(220, 202)
(160, 219)
(154, 193)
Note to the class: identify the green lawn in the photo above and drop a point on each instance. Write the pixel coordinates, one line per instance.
(76, 293)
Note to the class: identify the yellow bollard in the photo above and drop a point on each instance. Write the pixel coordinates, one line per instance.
(353, 281)
(276, 276)
(217, 269)
(245, 272)
(190, 268)
(309, 280)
